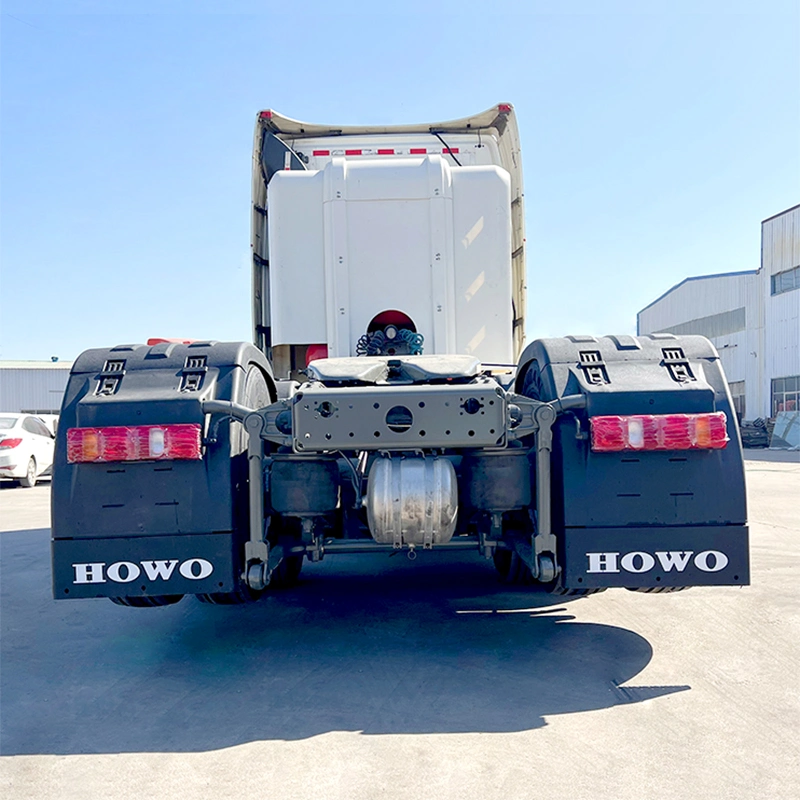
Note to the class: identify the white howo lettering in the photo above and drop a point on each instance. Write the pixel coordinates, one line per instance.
(194, 569)
(639, 561)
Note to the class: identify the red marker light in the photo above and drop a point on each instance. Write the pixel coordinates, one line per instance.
(315, 351)
(504, 108)
(265, 115)
(321, 153)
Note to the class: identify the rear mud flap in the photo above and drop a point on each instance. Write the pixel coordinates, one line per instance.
(143, 566)
(711, 555)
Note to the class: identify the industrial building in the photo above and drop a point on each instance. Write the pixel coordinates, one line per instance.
(33, 387)
(752, 317)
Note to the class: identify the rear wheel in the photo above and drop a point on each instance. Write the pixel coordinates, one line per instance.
(656, 589)
(29, 479)
(148, 602)
(284, 576)
(244, 594)
(533, 386)
(287, 573)
(254, 393)
(512, 569)
(564, 592)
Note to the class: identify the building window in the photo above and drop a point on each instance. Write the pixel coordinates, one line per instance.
(737, 395)
(785, 393)
(786, 281)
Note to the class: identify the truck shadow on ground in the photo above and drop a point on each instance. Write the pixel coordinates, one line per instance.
(370, 644)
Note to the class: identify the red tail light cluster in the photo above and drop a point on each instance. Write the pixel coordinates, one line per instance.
(659, 432)
(8, 444)
(135, 443)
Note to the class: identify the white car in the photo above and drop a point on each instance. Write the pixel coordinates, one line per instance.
(26, 448)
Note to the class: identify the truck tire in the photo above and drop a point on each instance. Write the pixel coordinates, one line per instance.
(243, 594)
(255, 393)
(511, 569)
(147, 602)
(656, 589)
(28, 481)
(532, 385)
(562, 592)
(514, 571)
(287, 573)
(284, 576)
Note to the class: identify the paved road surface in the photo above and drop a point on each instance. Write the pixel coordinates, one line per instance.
(382, 678)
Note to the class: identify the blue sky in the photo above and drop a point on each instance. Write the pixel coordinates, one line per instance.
(655, 138)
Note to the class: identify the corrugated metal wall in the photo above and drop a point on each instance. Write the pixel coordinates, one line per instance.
(32, 388)
(767, 345)
(697, 298)
(724, 308)
(780, 251)
(780, 241)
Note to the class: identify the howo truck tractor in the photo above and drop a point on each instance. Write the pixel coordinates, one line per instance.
(389, 403)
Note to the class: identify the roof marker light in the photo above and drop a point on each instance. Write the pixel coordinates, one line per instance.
(161, 340)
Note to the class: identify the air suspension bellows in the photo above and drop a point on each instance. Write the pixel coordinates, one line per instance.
(303, 485)
(497, 480)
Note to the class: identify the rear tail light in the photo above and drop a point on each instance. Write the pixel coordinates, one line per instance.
(659, 432)
(7, 444)
(135, 443)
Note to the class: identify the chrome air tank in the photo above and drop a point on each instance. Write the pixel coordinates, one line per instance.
(412, 500)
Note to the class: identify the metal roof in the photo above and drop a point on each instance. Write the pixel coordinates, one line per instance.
(697, 278)
(35, 365)
(780, 213)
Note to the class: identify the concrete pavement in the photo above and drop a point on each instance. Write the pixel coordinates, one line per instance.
(382, 678)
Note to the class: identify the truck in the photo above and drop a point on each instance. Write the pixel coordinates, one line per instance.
(389, 402)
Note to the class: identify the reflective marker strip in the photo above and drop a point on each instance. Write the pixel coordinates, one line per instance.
(414, 151)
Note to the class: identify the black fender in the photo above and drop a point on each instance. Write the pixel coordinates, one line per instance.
(155, 511)
(606, 506)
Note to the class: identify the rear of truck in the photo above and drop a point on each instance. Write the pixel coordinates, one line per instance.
(389, 404)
